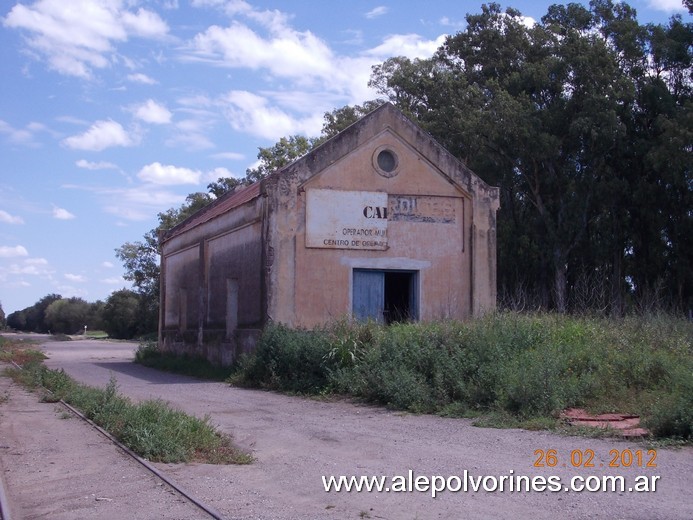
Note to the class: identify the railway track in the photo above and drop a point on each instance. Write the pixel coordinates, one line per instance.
(40, 455)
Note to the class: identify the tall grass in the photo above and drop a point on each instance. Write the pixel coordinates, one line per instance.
(526, 366)
(149, 355)
(152, 429)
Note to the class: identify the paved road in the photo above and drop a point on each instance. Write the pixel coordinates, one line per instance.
(296, 441)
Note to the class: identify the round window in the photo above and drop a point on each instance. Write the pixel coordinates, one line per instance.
(385, 162)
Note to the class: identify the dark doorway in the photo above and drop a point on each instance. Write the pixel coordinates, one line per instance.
(385, 296)
(399, 302)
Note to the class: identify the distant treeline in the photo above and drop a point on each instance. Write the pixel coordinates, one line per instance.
(120, 316)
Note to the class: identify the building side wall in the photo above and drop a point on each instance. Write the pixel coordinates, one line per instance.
(182, 282)
(213, 273)
(235, 257)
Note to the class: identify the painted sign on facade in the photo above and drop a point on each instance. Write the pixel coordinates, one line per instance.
(346, 219)
(412, 208)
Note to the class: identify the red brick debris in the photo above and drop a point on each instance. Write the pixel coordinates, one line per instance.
(626, 425)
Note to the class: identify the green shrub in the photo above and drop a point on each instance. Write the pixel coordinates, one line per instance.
(670, 411)
(149, 355)
(147, 350)
(528, 367)
(288, 360)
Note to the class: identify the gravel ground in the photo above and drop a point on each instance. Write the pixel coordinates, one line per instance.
(296, 441)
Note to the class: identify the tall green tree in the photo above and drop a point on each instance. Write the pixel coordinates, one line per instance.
(121, 315)
(223, 185)
(275, 157)
(341, 118)
(17, 320)
(68, 315)
(572, 118)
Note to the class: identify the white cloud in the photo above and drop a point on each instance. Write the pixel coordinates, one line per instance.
(666, 5)
(528, 21)
(161, 174)
(193, 125)
(268, 18)
(101, 135)
(10, 219)
(75, 277)
(72, 120)
(23, 137)
(409, 45)
(133, 204)
(285, 53)
(144, 23)
(141, 203)
(78, 36)
(69, 291)
(280, 51)
(152, 112)
(231, 156)
(112, 281)
(62, 214)
(191, 132)
(12, 252)
(191, 141)
(141, 78)
(251, 113)
(101, 165)
(107, 265)
(30, 269)
(214, 174)
(449, 22)
(378, 11)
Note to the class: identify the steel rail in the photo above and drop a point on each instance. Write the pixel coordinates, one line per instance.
(168, 480)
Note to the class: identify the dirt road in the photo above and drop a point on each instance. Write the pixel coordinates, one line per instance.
(297, 441)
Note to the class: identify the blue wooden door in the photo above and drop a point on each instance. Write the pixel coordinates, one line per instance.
(369, 295)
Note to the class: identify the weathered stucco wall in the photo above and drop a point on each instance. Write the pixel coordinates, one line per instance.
(455, 260)
(235, 257)
(182, 277)
(212, 274)
(433, 248)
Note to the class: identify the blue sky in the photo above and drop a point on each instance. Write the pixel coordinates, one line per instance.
(114, 110)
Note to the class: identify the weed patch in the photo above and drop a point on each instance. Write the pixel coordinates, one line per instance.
(19, 352)
(149, 355)
(152, 429)
(517, 370)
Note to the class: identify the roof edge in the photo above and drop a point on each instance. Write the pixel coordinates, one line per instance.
(200, 214)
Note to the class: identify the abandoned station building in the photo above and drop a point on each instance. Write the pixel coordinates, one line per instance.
(380, 222)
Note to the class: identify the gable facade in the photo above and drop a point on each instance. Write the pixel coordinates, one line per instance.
(380, 222)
